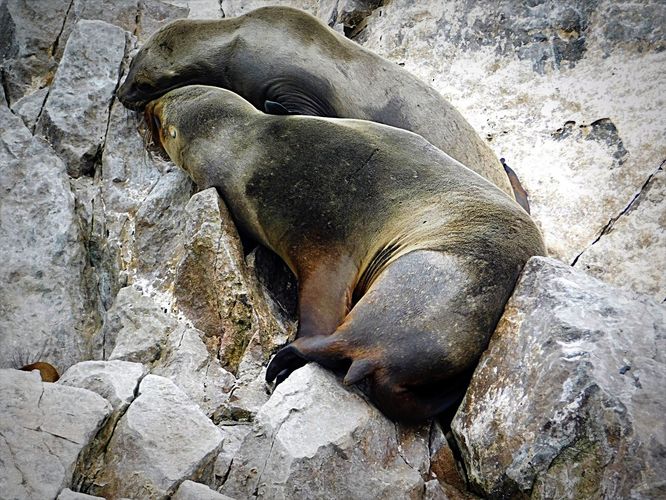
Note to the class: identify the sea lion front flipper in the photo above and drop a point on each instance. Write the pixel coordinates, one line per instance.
(275, 108)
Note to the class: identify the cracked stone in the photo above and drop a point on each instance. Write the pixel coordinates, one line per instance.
(50, 308)
(307, 438)
(200, 9)
(164, 435)
(190, 490)
(233, 8)
(633, 240)
(75, 115)
(28, 107)
(68, 494)
(549, 413)
(43, 429)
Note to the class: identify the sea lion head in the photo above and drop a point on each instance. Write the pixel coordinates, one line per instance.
(166, 62)
(184, 118)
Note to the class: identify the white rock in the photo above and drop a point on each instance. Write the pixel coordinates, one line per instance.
(68, 494)
(165, 436)
(43, 429)
(310, 435)
(190, 490)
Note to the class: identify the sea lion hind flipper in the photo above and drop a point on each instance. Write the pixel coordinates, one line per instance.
(359, 369)
(275, 108)
(518, 190)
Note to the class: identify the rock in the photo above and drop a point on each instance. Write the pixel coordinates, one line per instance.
(200, 9)
(115, 381)
(135, 329)
(189, 490)
(213, 287)
(29, 36)
(50, 309)
(164, 435)
(233, 8)
(68, 494)
(443, 465)
(520, 72)
(155, 14)
(567, 402)
(187, 363)
(43, 429)
(619, 260)
(347, 16)
(314, 439)
(121, 13)
(30, 106)
(233, 439)
(76, 112)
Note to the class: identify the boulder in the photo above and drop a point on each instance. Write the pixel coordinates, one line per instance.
(189, 490)
(43, 429)
(68, 494)
(567, 402)
(314, 438)
(165, 436)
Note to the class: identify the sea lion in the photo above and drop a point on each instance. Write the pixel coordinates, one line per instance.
(47, 371)
(404, 257)
(284, 60)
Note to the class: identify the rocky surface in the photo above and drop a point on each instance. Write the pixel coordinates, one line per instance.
(43, 428)
(567, 402)
(137, 287)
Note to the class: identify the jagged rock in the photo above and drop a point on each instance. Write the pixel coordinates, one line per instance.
(135, 329)
(640, 259)
(115, 381)
(567, 402)
(347, 16)
(29, 36)
(121, 13)
(233, 439)
(48, 297)
(28, 107)
(68, 494)
(187, 363)
(314, 439)
(40, 434)
(158, 228)
(164, 435)
(213, 287)
(76, 112)
(443, 464)
(520, 71)
(190, 490)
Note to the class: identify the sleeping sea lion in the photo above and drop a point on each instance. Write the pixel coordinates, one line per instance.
(404, 257)
(286, 61)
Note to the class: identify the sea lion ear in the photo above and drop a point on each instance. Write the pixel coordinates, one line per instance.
(275, 108)
(359, 369)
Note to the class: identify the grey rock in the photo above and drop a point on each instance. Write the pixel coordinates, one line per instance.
(29, 37)
(164, 435)
(232, 441)
(115, 381)
(187, 362)
(76, 112)
(232, 8)
(68, 494)
(568, 400)
(189, 490)
(41, 435)
(121, 13)
(154, 14)
(48, 299)
(313, 424)
(200, 9)
(135, 329)
(347, 16)
(30, 106)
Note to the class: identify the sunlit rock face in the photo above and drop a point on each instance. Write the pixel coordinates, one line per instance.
(138, 289)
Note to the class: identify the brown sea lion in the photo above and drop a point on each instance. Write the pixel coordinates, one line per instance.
(284, 60)
(404, 257)
(47, 371)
